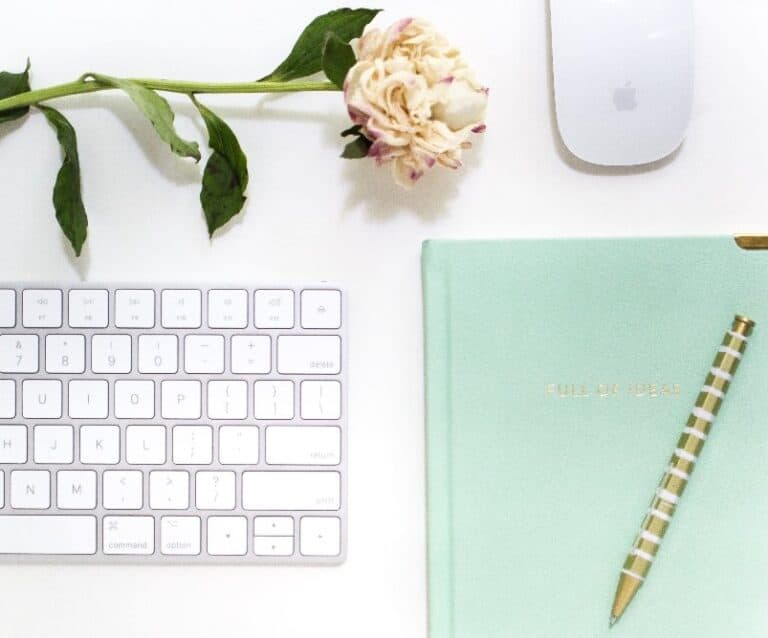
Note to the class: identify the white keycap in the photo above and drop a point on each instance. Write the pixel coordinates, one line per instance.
(129, 535)
(239, 445)
(41, 308)
(135, 308)
(273, 526)
(134, 399)
(320, 536)
(192, 445)
(251, 354)
(7, 399)
(204, 354)
(55, 535)
(99, 444)
(76, 489)
(158, 354)
(215, 490)
(227, 535)
(123, 489)
(30, 489)
(111, 354)
(41, 399)
(303, 445)
(2, 489)
(300, 354)
(169, 490)
(88, 308)
(145, 444)
(180, 399)
(273, 400)
(273, 545)
(54, 444)
(19, 353)
(7, 308)
(65, 354)
(227, 400)
(88, 399)
(320, 400)
(13, 444)
(291, 491)
(181, 308)
(321, 309)
(180, 535)
(227, 308)
(273, 309)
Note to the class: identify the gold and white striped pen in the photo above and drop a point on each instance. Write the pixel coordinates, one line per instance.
(683, 460)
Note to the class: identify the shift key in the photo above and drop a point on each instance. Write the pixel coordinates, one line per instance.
(278, 491)
(309, 354)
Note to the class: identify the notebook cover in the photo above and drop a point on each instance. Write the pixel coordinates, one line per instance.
(559, 375)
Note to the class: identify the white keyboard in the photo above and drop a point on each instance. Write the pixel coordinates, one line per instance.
(173, 423)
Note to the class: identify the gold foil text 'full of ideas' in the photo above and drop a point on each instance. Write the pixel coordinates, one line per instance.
(608, 390)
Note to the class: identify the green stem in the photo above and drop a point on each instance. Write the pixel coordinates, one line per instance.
(87, 85)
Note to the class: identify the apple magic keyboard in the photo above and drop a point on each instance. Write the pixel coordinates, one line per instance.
(173, 423)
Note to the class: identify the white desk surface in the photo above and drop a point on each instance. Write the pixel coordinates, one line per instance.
(311, 216)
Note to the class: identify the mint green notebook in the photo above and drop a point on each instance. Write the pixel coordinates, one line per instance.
(559, 375)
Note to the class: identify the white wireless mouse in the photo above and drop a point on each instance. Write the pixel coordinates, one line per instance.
(623, 77)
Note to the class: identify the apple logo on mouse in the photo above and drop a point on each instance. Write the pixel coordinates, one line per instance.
(625, 97)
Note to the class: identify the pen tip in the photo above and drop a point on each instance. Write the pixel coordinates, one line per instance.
(612, 621)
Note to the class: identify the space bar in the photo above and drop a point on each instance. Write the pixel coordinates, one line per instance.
(47, 534)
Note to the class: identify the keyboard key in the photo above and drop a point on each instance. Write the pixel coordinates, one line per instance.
(135, 308)
(273, 545)
(158, 354)
(300, 354)
(65, 354)
(41, 308)
(227, 535)
(111, 354)
(204, 354)
(88, 308)
(215, 490)
(13, 444)
(30, 489)
(129, 535)
(304, 445)
(320, 536)
(169, 490)
(239, 445)
(7, 399)
(251, 354)
(54, 444)
(7, 308)
(320, 400)
(227, 400)
(47, 535)
(192, 445)
(291, 491)
(145, 444)
(321, 309)
(273, 526)
(134, 399)
(180, 535)
(227, 308)
(181, 308)
(99, 444)
(41, 399)
(2, 489)
(123, 490)
(180, 399)
(76, 489)
(88, 399)
(19, 354)
(273, 309)
(273, 400)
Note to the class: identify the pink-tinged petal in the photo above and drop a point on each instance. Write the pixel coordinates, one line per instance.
(357, 116)
(429, 161)
(403, 24)
(448, 79)
(480, 128)
(380, 151)
(416, 175)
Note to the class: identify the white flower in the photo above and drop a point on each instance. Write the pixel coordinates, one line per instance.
(414, 98)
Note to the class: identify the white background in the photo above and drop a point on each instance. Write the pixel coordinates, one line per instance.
(311, 216)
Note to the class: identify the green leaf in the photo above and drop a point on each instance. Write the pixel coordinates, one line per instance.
(352, 130)
(157, 110)
(338, 59)
(306, 56)
(12, 84)
(67, 198)
(226, 173)
(357, 149)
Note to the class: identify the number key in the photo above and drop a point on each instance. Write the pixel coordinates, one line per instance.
(18, 353)
(111, 354)
(65, 354)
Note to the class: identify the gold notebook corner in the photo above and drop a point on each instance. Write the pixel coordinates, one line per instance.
(751, 242)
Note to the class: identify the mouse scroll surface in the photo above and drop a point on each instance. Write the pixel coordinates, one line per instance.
(623, 77)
